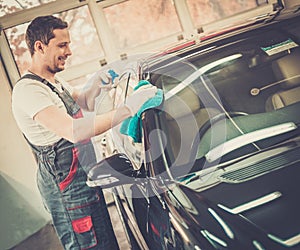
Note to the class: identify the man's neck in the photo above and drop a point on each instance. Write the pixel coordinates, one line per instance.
(44, 74)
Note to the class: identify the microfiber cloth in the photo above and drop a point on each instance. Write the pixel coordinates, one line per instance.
(132, 126)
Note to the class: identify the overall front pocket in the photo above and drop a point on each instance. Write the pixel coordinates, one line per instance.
(85, 233)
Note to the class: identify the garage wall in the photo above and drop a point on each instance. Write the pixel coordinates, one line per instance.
(22, 211)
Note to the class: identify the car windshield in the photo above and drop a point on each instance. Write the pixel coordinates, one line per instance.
(230, 97)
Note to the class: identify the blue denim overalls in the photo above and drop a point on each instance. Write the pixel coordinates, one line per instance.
(79, 213)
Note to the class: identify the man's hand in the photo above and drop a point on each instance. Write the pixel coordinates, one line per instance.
(105, 80)
(135, 101)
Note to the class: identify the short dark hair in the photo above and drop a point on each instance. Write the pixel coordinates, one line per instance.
(41, 29)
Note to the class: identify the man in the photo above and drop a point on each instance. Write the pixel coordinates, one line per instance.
(49, 114)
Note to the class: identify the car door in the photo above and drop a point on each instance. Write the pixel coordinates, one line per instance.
(141, 203)
(133, 199)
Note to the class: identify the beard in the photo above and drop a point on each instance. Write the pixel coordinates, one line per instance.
(54, 70)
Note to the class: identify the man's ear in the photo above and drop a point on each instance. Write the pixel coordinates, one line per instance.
(39, 46)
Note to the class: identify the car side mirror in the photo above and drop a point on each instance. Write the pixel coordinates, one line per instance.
(113, 171)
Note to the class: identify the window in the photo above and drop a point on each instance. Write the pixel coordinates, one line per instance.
(137, 22)
(11, 6)
(84, 40)
(204, 12)
(116, 29)
(18, 46)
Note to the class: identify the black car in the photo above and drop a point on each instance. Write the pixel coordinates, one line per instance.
(218, 163)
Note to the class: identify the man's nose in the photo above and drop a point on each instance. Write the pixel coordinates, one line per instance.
(68, 51)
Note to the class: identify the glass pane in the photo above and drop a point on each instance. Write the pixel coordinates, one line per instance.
(136, 22)
(11, 6)
(85, 44)
(208, 11)
(16, 39)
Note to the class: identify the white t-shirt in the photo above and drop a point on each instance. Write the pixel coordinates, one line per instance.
(30, 97)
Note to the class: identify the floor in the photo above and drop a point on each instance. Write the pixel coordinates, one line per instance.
(46, 239)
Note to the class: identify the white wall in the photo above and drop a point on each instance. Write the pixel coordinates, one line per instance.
(22, 211)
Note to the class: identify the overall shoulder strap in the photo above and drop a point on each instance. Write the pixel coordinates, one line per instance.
(38, 78)
(70, 104)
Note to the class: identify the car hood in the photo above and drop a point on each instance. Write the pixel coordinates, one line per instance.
(258, 203)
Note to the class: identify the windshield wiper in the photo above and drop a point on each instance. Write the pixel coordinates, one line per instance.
(247, 138)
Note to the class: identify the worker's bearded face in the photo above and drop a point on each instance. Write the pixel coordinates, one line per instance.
(57, 51)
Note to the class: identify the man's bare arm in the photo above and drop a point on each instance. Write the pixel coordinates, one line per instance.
(76, 130)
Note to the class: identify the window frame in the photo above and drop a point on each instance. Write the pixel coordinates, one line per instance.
(111, 53)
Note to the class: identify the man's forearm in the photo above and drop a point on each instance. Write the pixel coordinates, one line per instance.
(93, 125)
